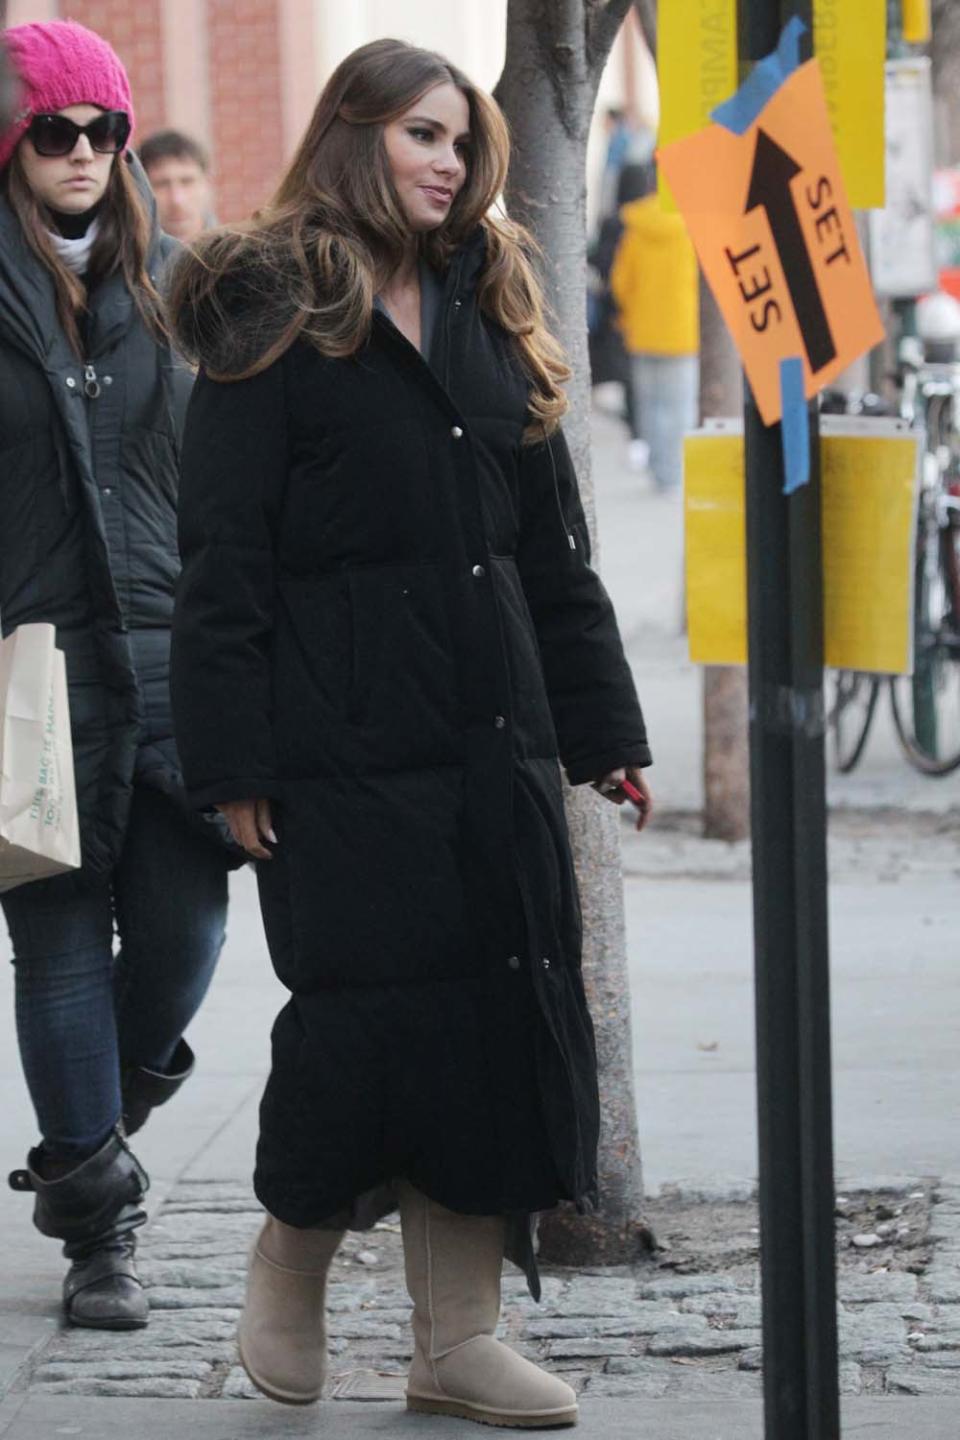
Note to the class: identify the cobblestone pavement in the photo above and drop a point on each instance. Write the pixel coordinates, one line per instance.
(683, 1325)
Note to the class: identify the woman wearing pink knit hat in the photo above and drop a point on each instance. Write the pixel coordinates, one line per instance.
(91, 405)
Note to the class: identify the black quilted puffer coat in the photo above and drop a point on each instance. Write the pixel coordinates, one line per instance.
(387, 623)
(88, 491)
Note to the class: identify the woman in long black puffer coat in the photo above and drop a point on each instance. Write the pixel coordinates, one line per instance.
(387, 630)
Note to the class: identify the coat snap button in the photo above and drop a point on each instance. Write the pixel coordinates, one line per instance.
(514, 962)
(108, 379)
(498, 722)
(545, 962)
(71, 383)
(456, 432)
(478, 572)
(457, 304)
(107, 490)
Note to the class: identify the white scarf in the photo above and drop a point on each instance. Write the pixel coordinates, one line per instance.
(75, 254)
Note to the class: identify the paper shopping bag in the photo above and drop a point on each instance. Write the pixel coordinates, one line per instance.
(39, 829)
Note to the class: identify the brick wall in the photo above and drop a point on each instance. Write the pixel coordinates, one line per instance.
(243, 47)
(246, 103)
(133, 28)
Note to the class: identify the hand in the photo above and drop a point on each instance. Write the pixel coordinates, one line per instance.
(250, 825)
(609, 786)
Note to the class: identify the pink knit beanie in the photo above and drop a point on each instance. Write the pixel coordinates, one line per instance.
(60, 63)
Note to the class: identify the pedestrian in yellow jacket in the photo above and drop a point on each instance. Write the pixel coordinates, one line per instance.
(655, 287)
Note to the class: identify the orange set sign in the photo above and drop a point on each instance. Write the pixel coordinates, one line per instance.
(768, 215)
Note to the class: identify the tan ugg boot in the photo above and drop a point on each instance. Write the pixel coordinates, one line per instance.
(453, 1265)
(282, 1336)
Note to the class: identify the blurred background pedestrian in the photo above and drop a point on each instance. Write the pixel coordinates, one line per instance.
(609, 362)
(654, 283)
(178, 168)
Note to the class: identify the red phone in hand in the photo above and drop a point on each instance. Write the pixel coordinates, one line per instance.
(633, 794)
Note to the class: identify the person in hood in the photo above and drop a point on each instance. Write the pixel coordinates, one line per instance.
(91, 404)
(387, 632)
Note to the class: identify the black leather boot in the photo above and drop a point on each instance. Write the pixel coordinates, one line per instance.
(95, 1209)
(145, 1089)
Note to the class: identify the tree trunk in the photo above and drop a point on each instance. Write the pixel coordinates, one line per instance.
(945, 54)
(555, 53)
(726, 751)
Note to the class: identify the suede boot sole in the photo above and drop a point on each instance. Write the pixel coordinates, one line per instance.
(282, 1397)
(506, 1419)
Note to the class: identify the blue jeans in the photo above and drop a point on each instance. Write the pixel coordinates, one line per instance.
(666, 395)
(83, 1014)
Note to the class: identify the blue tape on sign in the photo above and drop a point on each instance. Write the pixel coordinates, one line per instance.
(794, 428)
(739, 112)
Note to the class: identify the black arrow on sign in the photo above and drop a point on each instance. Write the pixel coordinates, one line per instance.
(773, 169)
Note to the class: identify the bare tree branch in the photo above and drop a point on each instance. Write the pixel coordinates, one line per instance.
(572, 39)
(603, 19)
(647, 15)
(546, 40)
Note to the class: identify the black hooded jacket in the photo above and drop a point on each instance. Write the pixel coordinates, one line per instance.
(89, 460)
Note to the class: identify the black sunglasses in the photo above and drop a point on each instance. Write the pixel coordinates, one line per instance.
(53, 135)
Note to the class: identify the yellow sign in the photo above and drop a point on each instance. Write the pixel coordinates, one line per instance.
(715, 541)
(850, 40)
(867, 517)
(768, 215)
(696, 68)
(916, 21)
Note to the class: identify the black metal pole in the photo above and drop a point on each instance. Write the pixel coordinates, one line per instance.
(785, 624)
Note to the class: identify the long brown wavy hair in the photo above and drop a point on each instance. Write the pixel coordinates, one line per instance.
(310, 263)
(122, 243)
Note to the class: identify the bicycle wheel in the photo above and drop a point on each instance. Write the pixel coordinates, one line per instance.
(851, 715)
(926, 704)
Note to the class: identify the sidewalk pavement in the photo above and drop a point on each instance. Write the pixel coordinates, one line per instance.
(894, 916)
(42, 1419)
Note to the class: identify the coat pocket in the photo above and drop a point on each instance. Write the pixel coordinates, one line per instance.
(371, 594)
(403, 687)
(364, 671)
(312, 668)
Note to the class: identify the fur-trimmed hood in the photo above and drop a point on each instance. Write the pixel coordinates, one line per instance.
(240, 311)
